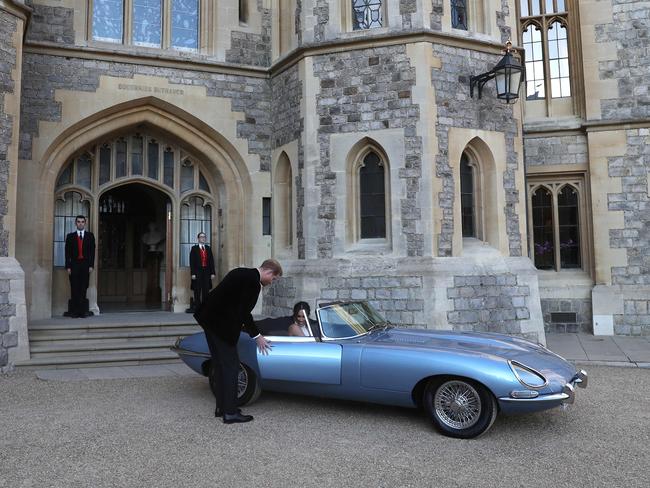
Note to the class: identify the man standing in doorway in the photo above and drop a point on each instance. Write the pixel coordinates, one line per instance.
(227, 308)
(202, 269)
(79, 261)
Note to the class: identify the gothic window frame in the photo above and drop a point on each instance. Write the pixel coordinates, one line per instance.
(166, 27)
(545, 21)
(354, 196)
(187, 239)
(283, 205)
(555, 184)
(478, 195)
(67, 220)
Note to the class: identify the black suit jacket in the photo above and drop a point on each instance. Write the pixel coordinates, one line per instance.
(229, 305)
(72, 251)
(195, 260)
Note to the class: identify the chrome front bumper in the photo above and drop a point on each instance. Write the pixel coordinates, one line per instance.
(567, 396)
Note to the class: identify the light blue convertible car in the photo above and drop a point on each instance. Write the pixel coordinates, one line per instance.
(461, 379)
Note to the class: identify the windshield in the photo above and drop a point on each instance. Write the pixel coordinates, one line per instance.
(342, 320)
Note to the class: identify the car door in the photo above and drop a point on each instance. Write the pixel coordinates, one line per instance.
(301, 359)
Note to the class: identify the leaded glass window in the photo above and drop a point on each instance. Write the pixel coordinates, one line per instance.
(196, 217)
(568, 222)
(77, 172)
(266, 216)
(153, 154)
(168, 167)
(543, 238)
(535, 88)
(366, 14)
(185, 24)
(459, 14)
(187, 176)
(147, 22)
(467, 197)
(558, 58)
(104, 164)
(136, 155)
(65, 212)
(372, 197)
(120, 158)
(108, 20)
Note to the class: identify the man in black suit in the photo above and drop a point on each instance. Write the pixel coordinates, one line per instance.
(226, 309)
(202, 269)
(79, 261)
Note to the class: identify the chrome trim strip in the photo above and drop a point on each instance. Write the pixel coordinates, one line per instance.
(512, 364)
(541, 399)
(180, 351)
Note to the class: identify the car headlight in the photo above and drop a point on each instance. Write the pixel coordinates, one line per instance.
(527, 376)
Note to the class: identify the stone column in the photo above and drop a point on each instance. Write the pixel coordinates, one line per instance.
(14, 344)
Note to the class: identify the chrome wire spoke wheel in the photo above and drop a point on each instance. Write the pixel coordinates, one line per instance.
(457, 404)
(242, 381)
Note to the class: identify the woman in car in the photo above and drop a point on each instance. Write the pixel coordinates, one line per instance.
(300, 327)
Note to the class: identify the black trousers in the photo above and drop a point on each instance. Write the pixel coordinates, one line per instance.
(79, 278)
(225, 363)
(201, 286)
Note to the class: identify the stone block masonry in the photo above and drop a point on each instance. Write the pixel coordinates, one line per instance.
(43, 75)
(455, 109)
(567, 315)
(540, 151)
(51, 24)
(251, 48)
(630, 30)
(362, 91)
(635, 320)
(488, 303)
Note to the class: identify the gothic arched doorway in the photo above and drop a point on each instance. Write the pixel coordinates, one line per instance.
(132, 248)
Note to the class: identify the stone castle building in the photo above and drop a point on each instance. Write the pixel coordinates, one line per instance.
(339, 137)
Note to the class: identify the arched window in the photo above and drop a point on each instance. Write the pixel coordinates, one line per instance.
(283, 204)
(568, 227)
(66, 208)
(546, 42)
(558, 58)
(542, 209)
(535, 83)
(372, 197)
(556, 225)
(459, 14)
(467, 197)
(196, 216)
(243, 12)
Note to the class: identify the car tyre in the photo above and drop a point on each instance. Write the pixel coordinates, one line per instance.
(248, 388)
(460, 407)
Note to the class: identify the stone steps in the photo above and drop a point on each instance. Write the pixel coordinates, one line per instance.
(108, 339)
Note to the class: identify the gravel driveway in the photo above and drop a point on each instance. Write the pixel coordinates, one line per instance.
(160, 432)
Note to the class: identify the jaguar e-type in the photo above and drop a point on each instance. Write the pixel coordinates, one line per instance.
(461, 379)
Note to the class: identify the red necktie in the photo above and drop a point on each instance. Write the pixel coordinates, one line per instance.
(80, 252)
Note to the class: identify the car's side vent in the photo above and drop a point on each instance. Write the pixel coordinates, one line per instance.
(563, 317)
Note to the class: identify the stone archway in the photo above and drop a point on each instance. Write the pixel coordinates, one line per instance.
(224, 167)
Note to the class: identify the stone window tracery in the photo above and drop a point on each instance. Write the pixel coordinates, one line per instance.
(372, 197)
(196, 216)
(68, 205)
(367, 14)
(459, 14)
(546, 42)
(557, 227)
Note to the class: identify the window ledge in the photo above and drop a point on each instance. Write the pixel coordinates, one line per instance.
(576, 277)
(370, 246)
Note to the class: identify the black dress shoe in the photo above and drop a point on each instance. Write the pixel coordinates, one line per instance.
(236, 418)
(219, 413)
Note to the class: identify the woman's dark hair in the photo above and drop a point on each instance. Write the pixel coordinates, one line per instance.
(300, 306)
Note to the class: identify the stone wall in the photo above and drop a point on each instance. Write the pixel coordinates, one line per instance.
(635, 320)
(288, 125)
(43, 74)
(567, 315)
(634, 202)
(322, 14)
(629, 30)
(437, 10)
(9, 269)
(488, 303)
(456, 109)
(540, 151)
(362, 91)
(250, 48)
(406, 9)
(51, 24)
(8, 54)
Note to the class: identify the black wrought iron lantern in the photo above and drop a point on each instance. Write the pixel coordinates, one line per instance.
(508, 75)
